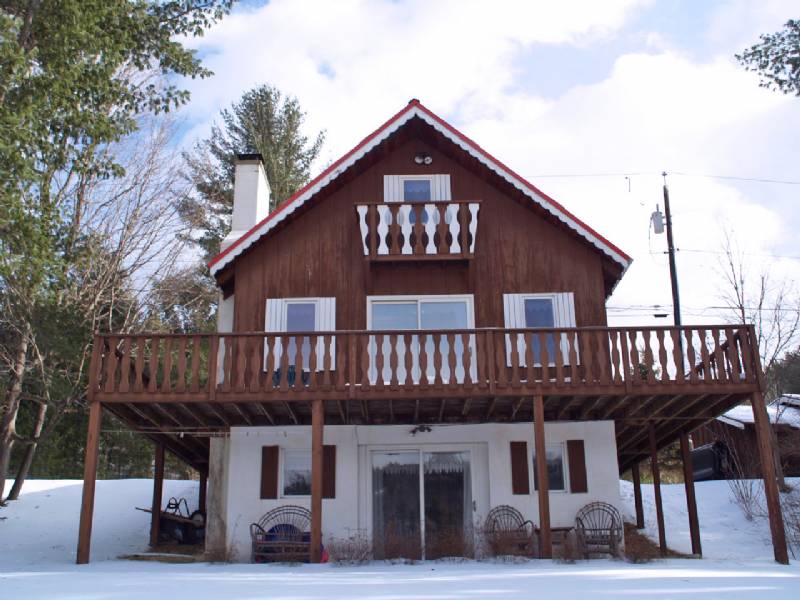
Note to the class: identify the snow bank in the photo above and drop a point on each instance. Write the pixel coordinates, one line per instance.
(39, 533)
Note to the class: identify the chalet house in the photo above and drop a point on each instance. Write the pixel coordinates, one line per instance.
(416, 337)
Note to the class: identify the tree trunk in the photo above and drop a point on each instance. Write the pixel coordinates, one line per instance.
(30, 450)
(776, 451)
(9, 421)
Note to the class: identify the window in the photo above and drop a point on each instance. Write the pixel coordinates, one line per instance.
(297, 315)
(539, 311)
(297, 472)
(421, 313)
(555, 468)
(417, 190)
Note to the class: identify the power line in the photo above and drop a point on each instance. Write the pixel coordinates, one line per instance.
(736, 178)
(786, 256)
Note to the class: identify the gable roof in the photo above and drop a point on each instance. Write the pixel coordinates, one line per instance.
(415, 109)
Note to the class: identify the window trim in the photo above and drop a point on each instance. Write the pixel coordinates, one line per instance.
(564, 468)
(285, 302)
(469, 299)
(282, 472)
(282, 317)
(429, 178)
(563, 318)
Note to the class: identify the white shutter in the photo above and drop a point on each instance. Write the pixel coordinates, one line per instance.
(326, 321)
(440, 188)
(392, 190)
(514, 316)
(273, 317)
(565, 317)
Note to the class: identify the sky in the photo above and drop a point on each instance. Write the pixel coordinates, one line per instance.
(591, 101)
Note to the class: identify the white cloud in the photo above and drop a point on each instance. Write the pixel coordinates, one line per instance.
(352, 64)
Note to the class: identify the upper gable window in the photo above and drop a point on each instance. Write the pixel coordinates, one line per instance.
(416, 188)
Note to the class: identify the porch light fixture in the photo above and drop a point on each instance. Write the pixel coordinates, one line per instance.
(423, 158)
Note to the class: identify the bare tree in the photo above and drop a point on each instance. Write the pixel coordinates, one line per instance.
(124, 233)
(773, 307)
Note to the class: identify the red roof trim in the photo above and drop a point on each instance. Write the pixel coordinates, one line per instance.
(311, 183)
(544, 196)
(412, 104)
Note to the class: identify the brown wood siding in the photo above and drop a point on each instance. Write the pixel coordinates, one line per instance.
(320, 254)
(520, 483)
(576, 459)
(329, 471)
(269, 472)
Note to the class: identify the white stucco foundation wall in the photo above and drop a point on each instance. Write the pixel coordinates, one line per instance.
(350, 510)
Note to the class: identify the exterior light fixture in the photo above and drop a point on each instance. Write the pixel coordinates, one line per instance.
(423, 158)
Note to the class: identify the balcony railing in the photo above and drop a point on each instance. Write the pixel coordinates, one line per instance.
(418, 231)
(422, 364)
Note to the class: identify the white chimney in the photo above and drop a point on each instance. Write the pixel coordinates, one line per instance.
(250, 196)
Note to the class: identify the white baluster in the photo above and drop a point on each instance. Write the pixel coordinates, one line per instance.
(362, 223)
(384, 220)
(430, 227)
(405, 227)
(473, 225)
(451, 218)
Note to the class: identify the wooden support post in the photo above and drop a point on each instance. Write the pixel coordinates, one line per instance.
(201, 503)
(158, 491)
(691, 500)
(317, 423)
(662, 538)
(89, 479)
(766, 454)
(545, 539)
(637, 496)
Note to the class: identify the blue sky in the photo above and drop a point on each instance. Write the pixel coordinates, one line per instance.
(575, 87)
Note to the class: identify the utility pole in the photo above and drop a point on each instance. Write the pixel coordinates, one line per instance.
(673, 273)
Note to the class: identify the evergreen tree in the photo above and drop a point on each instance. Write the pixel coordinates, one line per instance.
(776, 58)
(264, 121)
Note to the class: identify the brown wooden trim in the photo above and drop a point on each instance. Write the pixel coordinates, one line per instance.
(662, 539)
(545, 537)
(576, 458)
(269, 472)
(520, 483)
(637, 495)
(317, 458)
(89, 473)
(691, 501)
(158, 492)
(765, 451)
(329, 471)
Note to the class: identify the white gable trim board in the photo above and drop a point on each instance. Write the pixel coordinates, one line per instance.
(413, 110)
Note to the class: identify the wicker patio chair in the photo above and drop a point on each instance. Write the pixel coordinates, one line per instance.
(508, 533)
(598, 527)
(282, 535)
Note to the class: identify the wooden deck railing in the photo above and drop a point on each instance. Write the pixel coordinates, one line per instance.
(418, 364)
(418, 231)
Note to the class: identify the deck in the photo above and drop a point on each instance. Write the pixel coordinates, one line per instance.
(183, 388)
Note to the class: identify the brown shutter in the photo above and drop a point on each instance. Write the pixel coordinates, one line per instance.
(269, 472)
(519, 468)
(577, 467)
(329, 471)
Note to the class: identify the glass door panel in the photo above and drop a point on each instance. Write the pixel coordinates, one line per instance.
(445, 315)
(448, 504)
(396, 505)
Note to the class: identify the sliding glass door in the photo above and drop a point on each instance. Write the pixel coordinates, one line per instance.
(421, 313)
(421, 504)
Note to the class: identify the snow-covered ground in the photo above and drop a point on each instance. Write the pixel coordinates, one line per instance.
(38, 535)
